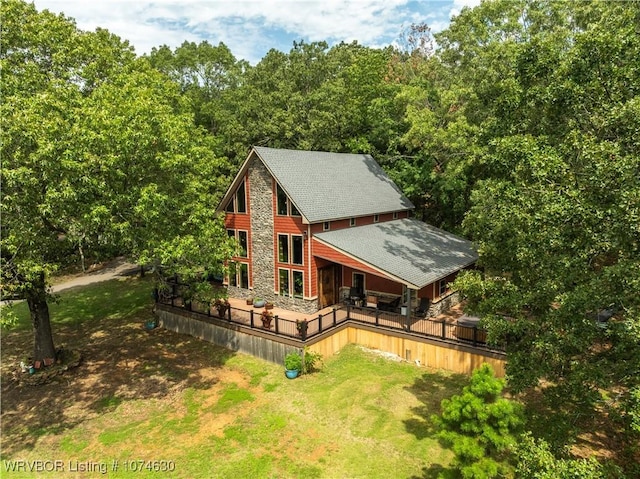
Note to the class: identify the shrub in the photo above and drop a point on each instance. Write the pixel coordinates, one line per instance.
(480, 426)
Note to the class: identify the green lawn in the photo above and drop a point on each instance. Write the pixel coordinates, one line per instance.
(158, 396)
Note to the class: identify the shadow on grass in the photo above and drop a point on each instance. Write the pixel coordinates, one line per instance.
(121, 361)
(436, 471)
(430, 389)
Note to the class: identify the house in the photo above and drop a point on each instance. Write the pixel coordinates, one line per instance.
(318, 228)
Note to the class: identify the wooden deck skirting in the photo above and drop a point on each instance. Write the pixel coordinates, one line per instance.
(336, 333)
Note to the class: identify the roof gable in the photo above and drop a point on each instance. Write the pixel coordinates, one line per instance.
(329, 186)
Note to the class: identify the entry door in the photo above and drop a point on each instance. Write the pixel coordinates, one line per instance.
(327, 281)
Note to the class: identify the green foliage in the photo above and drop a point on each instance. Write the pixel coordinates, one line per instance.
(536, 461)
(293, 361)
(480, 426)
(312, 361)
(99, 151)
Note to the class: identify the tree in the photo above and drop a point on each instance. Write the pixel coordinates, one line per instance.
(555, 211)
(480, 426)
(98, 149)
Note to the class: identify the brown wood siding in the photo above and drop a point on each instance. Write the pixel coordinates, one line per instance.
(322, 251)
(360, 221)
(372, 282)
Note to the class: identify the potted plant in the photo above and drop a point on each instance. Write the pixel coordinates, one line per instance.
(222, 305)
(268, 305)
(292, 364)
(249, 301)
(302, 327)
(259, 302)
(266, 317)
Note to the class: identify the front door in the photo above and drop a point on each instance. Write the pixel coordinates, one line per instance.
(326, 286)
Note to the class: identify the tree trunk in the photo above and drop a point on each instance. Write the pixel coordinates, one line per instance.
(42, 338)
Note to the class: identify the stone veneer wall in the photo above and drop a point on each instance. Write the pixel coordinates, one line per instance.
(444, 304)
(260, 201)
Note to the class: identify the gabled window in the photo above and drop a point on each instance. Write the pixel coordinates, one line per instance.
(285, 206)
(241, 199)
(238, 202)
(282, 201)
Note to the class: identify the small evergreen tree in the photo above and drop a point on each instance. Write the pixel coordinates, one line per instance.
(480, 426)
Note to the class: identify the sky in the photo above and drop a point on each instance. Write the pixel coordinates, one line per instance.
(251, 28)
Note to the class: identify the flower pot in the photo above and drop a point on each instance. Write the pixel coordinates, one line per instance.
(292, 373)
(268, 306)
(259, 303)
(249, 301)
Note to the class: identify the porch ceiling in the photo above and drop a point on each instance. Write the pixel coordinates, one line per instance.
(407, 250)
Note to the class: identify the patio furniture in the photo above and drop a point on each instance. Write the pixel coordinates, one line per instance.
(391, 306)
(355, 296)
(372, 301)
(423, 307)
(467, 329)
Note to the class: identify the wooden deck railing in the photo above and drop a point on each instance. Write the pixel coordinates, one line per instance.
(422, 327)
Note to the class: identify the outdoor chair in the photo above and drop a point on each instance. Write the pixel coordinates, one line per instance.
(423, 307)
(355, 295)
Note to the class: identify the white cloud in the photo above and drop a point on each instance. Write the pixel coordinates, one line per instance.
(251, 28)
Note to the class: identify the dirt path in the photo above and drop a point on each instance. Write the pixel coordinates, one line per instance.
(110, 270)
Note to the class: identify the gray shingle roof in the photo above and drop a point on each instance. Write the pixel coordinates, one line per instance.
(414, 252)
(328, 186)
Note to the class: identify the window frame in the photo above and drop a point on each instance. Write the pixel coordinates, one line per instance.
(376, 218)
(326, 226)
(352, 222)
(295, 272)
(287, 283)
(246, 248)
(283, 252)
(442, 287)
(292, 256)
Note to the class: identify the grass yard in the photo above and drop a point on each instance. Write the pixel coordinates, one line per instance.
(208, 412)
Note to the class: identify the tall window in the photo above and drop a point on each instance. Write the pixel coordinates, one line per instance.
(242, 240)
(326, 226)
(243, 276)
(239, 275)
(284, 282)
(238, 202)
(395, 215)
(296, 249)
(298, 284)
(283, 248)
(352, 221)
(376, 218)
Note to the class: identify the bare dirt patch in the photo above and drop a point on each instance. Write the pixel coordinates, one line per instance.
(120, 361)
